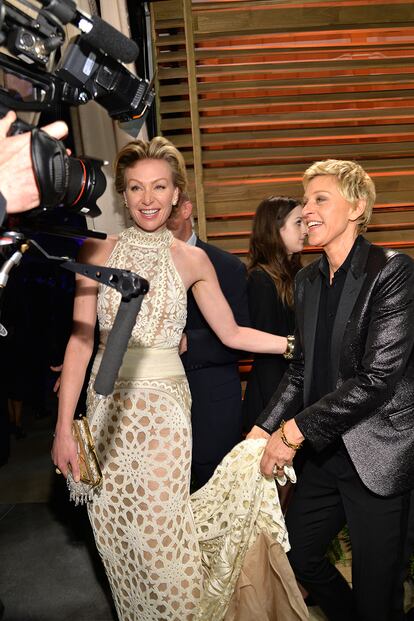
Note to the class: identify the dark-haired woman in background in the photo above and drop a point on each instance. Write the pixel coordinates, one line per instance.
(276, 241)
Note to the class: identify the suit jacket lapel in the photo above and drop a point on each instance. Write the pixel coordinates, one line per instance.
(310, 318)
(353, 282)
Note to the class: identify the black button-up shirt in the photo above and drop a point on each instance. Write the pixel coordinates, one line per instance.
(322, 380)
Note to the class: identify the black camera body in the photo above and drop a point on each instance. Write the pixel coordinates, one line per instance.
(99, 77)
(90, 69)
(24, 43)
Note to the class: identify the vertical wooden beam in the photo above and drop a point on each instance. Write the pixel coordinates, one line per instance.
(155, 64)
(195, 119)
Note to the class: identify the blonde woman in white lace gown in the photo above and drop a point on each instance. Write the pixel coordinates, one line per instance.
(142, 520)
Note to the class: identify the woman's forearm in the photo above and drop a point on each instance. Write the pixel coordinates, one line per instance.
(218, 314)
(256, 341)
(77, 356)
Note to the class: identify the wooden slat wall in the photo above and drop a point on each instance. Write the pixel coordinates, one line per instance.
(280, 84)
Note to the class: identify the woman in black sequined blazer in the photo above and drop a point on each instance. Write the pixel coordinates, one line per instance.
(348, 396)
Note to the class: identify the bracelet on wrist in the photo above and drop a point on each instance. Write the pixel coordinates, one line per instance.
(290, 347)
(291, 445)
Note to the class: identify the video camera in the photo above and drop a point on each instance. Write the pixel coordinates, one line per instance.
(37, 76)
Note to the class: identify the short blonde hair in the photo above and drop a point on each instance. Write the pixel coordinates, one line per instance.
(159, 148)
(354, 184)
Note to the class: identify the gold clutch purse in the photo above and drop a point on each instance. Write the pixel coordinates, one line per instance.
(90, 470)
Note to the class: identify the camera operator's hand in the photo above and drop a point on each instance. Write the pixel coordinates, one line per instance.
(65, 453)
(17, 180)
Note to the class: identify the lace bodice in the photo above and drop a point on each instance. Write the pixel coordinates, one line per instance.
(162, 317)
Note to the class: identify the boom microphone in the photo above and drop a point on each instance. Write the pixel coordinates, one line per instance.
(101, 35)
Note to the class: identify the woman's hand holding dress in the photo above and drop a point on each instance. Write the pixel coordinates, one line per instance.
(277, 453)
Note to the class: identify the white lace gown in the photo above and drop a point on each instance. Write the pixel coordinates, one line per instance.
(162, 563)
(142, 520)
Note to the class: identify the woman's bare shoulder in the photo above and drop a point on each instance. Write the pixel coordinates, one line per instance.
(97, 250)
(190, 262)
(187, 251)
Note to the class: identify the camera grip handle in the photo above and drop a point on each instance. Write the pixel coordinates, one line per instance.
(19, 126)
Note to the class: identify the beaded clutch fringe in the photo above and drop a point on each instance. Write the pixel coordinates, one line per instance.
(90, 470)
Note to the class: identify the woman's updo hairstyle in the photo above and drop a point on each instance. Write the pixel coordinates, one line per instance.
(159, 148)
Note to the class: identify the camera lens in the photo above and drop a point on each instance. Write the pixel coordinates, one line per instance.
(73, 182)
(27, 40)
(85, 184)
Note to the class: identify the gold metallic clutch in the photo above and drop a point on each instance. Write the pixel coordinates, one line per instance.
(90, 470)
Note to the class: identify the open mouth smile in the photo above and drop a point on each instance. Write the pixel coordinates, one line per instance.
(149, 213)
(313, 224)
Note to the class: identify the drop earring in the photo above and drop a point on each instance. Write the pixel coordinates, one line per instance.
(175, 200)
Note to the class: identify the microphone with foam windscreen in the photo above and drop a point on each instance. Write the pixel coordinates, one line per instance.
(98, 33)
(102, 36)
(117, 344)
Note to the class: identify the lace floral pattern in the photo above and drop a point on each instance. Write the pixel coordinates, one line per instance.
(235, 506)
(162, 317)
(142, 520)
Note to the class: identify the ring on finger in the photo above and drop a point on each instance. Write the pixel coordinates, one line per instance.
(277, 469)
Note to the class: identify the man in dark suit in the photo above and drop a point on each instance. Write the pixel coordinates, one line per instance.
(211, 367)
(348, 396)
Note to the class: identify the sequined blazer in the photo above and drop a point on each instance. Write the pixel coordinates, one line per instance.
(372, 406)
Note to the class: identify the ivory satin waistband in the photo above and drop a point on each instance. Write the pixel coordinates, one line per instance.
(146, 363)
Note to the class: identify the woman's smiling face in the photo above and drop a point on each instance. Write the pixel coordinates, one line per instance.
(150, 193)
(328, 215)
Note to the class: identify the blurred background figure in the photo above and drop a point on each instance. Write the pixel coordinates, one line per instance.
(211, 367)
(277, 239)
(14, 365)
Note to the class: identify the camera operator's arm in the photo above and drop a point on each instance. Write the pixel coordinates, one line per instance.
(77, 356)
(17, 180)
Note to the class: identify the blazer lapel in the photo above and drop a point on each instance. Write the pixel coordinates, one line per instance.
(353, 282)
(310, 318)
